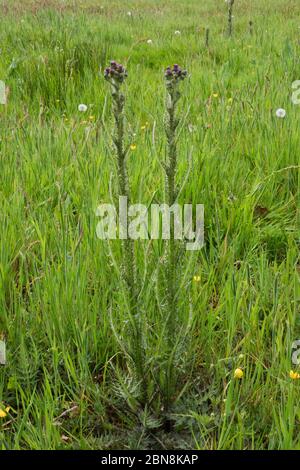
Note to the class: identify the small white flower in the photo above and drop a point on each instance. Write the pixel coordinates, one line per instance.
(82, 108)
(177, 33)
(149, 41)
(281, 113)
(129, 13)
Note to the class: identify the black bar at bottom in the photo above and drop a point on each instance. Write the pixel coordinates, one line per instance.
(137, 459)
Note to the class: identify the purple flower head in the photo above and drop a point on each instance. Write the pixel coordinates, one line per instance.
(168, 72)
(115, 72)
(175, 74)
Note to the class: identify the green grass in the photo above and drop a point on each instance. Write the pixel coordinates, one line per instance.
(62, 308)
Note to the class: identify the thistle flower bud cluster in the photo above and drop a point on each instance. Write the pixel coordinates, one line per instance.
(115, 73)
(175, 74)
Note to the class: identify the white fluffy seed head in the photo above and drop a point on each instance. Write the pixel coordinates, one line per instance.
(82, 108)
(281, 113)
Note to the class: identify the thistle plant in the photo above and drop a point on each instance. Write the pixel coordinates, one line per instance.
(116, 74)
(230, 17)
(173, 77)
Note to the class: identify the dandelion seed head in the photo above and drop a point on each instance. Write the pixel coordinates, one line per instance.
(82, 108)
(281, 113)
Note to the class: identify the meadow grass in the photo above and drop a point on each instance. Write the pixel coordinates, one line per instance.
(68, 380)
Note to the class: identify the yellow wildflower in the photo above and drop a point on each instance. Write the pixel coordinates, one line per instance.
(133, 147)
(197, 278)
(294, 375)
(3, 413)
(215, 95)
(238, 373)
(144, 126)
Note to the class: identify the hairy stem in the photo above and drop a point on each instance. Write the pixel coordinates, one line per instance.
(171, 167)
(128, 256)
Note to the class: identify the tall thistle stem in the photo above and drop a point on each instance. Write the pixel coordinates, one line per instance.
(173, 78)
(230, 17)
(116, 75)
